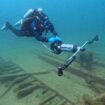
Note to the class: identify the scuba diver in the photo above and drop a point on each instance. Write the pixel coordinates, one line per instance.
(33, 24)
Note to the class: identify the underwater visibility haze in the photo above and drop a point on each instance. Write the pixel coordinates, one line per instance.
(28, 74)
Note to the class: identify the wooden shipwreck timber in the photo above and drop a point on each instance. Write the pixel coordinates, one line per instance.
(24, 84)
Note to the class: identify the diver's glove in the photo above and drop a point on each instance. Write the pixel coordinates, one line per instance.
(54, 38)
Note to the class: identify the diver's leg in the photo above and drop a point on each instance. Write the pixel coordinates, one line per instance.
(14, 30)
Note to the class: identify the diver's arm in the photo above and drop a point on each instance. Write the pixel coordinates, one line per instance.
(44, 16)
